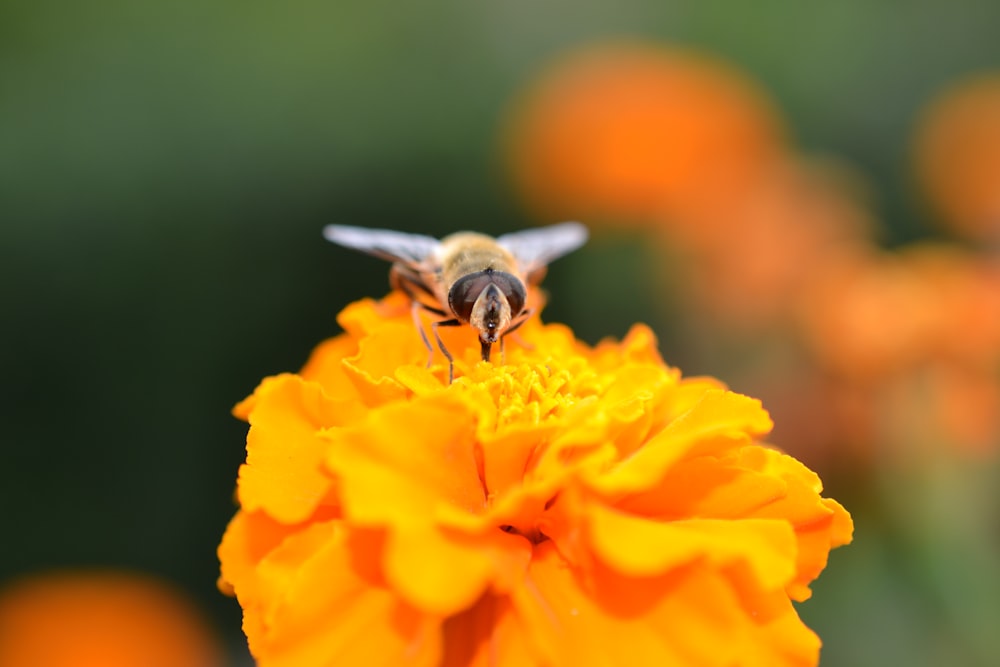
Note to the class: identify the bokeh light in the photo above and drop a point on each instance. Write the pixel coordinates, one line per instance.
(635, 133)
(752, 256)
(957, 156)
(102, 619)
(919, 333)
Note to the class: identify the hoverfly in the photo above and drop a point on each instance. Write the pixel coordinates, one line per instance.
(465, 278)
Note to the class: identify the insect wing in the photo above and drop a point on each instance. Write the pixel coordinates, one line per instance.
(410, 249)
(535, 248)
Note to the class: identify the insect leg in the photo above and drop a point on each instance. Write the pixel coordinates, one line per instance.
(415, 313)
(518, 321)
(444, 350)
(409, 282)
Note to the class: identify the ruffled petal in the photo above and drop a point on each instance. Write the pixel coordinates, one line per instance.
(443, 571)
(717, 422)
(820, 524)
(638, 347)
(488, 634)
(406, 462)
(325, 366)
(691, 616)
(639, 547)
(326, 609)
(707, 486)
(283, 475)
(753, 483)
(247, 540)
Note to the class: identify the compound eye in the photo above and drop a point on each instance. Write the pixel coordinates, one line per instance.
(463, 294)
(466, 291)
(513, 289)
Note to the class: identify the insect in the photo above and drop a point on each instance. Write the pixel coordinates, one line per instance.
(466, 278)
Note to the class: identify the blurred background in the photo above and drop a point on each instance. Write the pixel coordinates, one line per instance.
(802, 199)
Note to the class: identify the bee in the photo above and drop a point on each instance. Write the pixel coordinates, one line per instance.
(465, 278)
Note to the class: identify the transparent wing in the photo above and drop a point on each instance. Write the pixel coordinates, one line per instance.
(535, 248)
(410, 249)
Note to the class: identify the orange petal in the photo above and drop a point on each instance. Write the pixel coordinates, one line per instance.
(520, 509)
(487, 635)
(362, 317)
(688, 393)
(444, 572)
(639, 347)
(801, 502)
(706, 487)
(419, 380)
(324, 612)
(754, 482)
(283, 474)
(326, 366)
(386, 339)
(407, 461)
(586, 438)
(506, 454)
(392, 345)
(249, 537)
(820, 524)
(639, 547)
(815, 542)
(373, 388)
(718, 421)
(632, 405)
(688, 617)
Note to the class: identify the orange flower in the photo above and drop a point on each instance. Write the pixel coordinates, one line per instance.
(917, 334)
(639, 133)
(101, 619)
(874, 314)
(957, 156)
(751, 252)
(573, 505)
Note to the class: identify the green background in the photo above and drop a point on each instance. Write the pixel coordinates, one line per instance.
(166, 168)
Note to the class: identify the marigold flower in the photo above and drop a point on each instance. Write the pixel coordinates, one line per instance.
(639, 133)
(752, 252)
(957, 156)
(915, 333)
(873, 314)
(574, 505)
(101, 619)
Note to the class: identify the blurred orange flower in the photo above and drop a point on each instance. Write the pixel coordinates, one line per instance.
(751, 253)
(918, 332)
(638, 133)
(957, 156)
(101, 619)
(574, 505)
